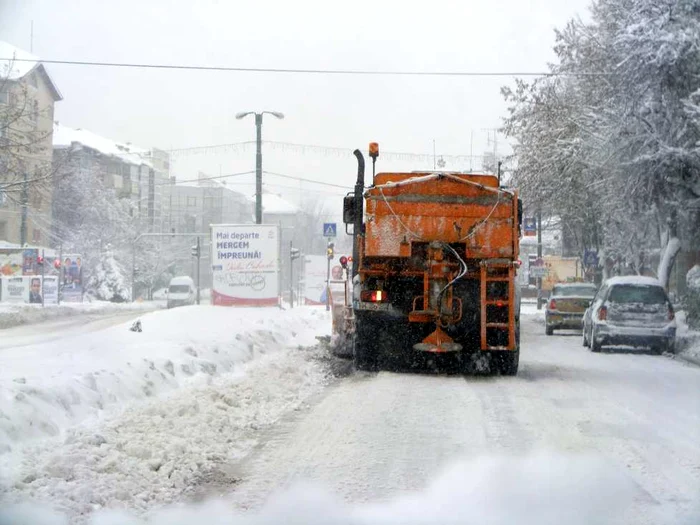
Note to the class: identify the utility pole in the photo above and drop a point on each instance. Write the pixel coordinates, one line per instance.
(199, 257)
(258, 157)
(59, 281)
(25, 203)
(291, 274)
(258, 168)
(539, 256)
(43, 274)
(329, 254)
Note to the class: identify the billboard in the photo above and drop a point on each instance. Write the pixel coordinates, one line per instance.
(15, 290)
(50, 289)
(315, 268)
(11, 262)
(245, 264)
(72, 278)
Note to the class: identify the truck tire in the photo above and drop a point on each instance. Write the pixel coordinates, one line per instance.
(508, 361)
(365, 348)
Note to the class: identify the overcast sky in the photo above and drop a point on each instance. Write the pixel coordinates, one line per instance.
(177, 109)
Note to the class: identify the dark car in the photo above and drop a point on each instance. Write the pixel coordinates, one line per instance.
(567, 304)
(630, 311)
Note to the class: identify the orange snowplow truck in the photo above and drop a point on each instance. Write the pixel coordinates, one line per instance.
(435, 256)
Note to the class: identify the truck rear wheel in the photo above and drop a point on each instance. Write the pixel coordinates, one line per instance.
(365, 344)
(508, 361)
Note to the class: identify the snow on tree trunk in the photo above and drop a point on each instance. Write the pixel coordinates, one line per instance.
(668, 257)
(692, 279)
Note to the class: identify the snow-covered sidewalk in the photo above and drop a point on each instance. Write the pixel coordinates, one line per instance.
(21, 314)
(138, 418)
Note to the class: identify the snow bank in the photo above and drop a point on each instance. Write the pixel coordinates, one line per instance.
(49, 387)
(20, 314)
(530, 309)
(149, 452)
(687, 340)
(539, 489)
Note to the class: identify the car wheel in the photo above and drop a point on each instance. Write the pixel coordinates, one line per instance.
(548, 330)
(586, 344)
(595, 345)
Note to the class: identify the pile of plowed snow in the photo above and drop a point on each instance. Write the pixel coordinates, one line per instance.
(158, 410)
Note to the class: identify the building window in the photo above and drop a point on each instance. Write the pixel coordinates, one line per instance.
(35, 112)
(36, 236)
(33, 81)
(3, 231)
(191, 201)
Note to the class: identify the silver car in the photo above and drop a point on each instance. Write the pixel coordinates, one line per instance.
(630, 311)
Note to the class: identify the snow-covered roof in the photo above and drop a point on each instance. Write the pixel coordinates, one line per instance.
(276, 205)
(64, 136)
(15, 64)
(634, 279)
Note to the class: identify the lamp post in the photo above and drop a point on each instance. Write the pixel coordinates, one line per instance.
(258, 156)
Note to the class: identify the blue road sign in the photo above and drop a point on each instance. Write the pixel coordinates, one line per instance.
(529, 226)
(329, 229)
(590, 258)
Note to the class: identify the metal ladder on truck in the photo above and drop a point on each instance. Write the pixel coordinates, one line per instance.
(497, 311)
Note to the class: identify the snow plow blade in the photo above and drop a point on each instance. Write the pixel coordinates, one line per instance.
(439, 343)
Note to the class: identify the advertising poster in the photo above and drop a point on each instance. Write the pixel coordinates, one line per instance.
(50, 289)
(315, 273)
(245, 264)
(11, 263)
(15, 289)
(315, 269)
(72, 278)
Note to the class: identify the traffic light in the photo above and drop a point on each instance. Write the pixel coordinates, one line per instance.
(294, 253)
(330, 251)
(57, 263)
(40, 260)
(195, 250)
(343, 261)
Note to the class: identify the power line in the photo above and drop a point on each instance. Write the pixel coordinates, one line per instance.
(365, 72)
(169, 183)
(347, 187)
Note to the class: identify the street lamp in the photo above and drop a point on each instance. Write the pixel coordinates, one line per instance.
(258, 157)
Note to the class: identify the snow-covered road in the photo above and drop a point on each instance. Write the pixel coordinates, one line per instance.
(376, 436)
(575, 437)
(25, 335)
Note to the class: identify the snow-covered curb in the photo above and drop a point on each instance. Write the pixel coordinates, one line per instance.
(687, 341)
(12, 315)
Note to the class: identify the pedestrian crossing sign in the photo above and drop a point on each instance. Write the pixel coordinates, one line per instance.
(329, 229)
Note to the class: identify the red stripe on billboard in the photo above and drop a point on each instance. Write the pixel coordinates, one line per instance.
(224, 300)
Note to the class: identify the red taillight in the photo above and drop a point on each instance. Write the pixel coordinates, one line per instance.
(602, 313)
(374, 296)
(553, 304)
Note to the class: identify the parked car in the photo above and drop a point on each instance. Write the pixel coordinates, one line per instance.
(630, 311)
(567, 304)
(181, 292)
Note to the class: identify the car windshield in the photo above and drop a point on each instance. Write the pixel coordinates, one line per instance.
(636, 293)
(179, 288)
(574, 291)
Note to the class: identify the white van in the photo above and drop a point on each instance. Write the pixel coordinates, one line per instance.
(181, 292)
